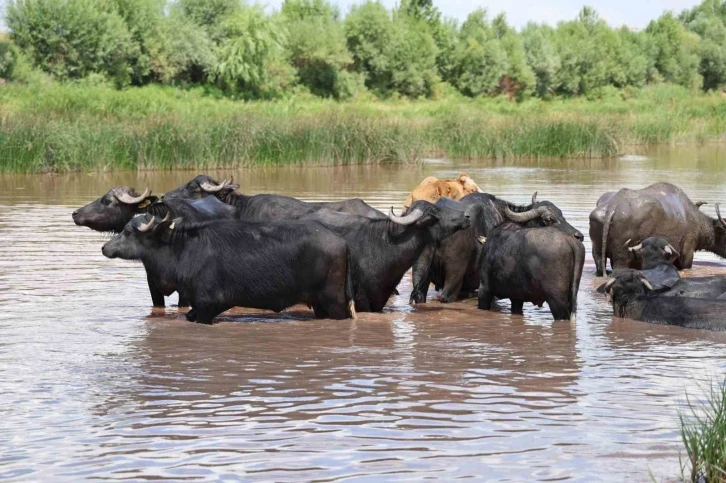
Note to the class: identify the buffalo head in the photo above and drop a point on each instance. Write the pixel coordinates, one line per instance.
(113, 210)
(652, 251)
(541, 213)
(201, 187)
(626, 286)
(139, 234)
(441, 221)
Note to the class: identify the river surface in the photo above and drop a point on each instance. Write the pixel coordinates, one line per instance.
(94, 384)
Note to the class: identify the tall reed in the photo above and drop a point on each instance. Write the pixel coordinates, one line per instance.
(703, 431)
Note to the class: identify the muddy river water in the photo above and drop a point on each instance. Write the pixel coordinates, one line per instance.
(96, 384)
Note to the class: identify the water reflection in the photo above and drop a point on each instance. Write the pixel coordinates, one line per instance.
(96, 384)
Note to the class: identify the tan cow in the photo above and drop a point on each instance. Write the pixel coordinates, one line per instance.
(431, 189)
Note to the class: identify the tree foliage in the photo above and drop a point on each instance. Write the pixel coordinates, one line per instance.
(308, 46)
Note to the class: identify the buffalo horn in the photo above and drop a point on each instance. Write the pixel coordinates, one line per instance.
(609, 285)
(718, 213)
(409, 219)
(636, 248)
(534, 197)
(131, 200)
(523, 217)
(144, 227)
(210, 188)
(670, 250)
(646, 283)
(699, 204)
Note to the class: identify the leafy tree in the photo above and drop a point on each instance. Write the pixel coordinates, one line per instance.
(542, 58)
(210, 14)
(395, 53)
(251, 60)
(708, 21)
(316, 46)
(73, 38)
(481, 60)
(674, 51)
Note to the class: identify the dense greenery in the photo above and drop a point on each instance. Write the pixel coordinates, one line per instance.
(82, 126)
(703, 431)
(239, 50)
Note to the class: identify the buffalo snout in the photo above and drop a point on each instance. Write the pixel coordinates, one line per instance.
(579, 236)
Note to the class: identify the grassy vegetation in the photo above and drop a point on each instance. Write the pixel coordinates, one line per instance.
(49, 126)
(703, 430)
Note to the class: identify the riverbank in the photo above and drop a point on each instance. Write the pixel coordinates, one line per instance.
(74, 127)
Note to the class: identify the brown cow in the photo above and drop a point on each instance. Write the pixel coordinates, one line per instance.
(431, 189)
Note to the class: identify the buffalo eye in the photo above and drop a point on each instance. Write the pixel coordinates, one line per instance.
(105, 201)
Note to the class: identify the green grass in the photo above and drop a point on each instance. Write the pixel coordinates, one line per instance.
(79, 127)
(703, 431)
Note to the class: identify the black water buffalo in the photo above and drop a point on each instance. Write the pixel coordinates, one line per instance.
(222, 264)
(451, 265)
(112, 211)
(266, 207)
(654, 256)
(633, 297)
(535, 265)
(661, 209)
(117, 207)
(382, 250)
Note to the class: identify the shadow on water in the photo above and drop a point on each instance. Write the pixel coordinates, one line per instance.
(99, 385)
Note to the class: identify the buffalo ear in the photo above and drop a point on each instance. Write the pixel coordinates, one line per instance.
(150, 200)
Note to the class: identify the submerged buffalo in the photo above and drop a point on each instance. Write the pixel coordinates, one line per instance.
(266, 207)
(535, 265)
(633, 297)
(222, 264)
(382, 250)
(661, 209)
(451, 265)
(113, 210)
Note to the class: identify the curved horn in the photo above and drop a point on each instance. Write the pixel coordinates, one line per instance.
(636, 248)
(718, 213)
(534, 197)
(646, 282)
(523, 217)
(210, 188)
(669, 249)
(131, 200)
(144, 227)
(699, 204)
(412, 217)
(609, 285)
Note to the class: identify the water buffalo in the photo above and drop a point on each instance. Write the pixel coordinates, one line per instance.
(266, 207)
(661, 209)
(117, 207)
(529, 265)
(431, 189)
(222, 264)
(633, 297)
(451, 265)
(383, 250)
(113, 210)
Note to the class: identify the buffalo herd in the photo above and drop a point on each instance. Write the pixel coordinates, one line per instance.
(218, 248)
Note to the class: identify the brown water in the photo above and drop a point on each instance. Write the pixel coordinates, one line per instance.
(96, 384)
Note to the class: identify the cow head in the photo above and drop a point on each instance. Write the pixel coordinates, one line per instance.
(651, 252)
(113, 210)
(140, 234)
(541, 213)
(201, 187)
(440, 222)
(626, 286)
